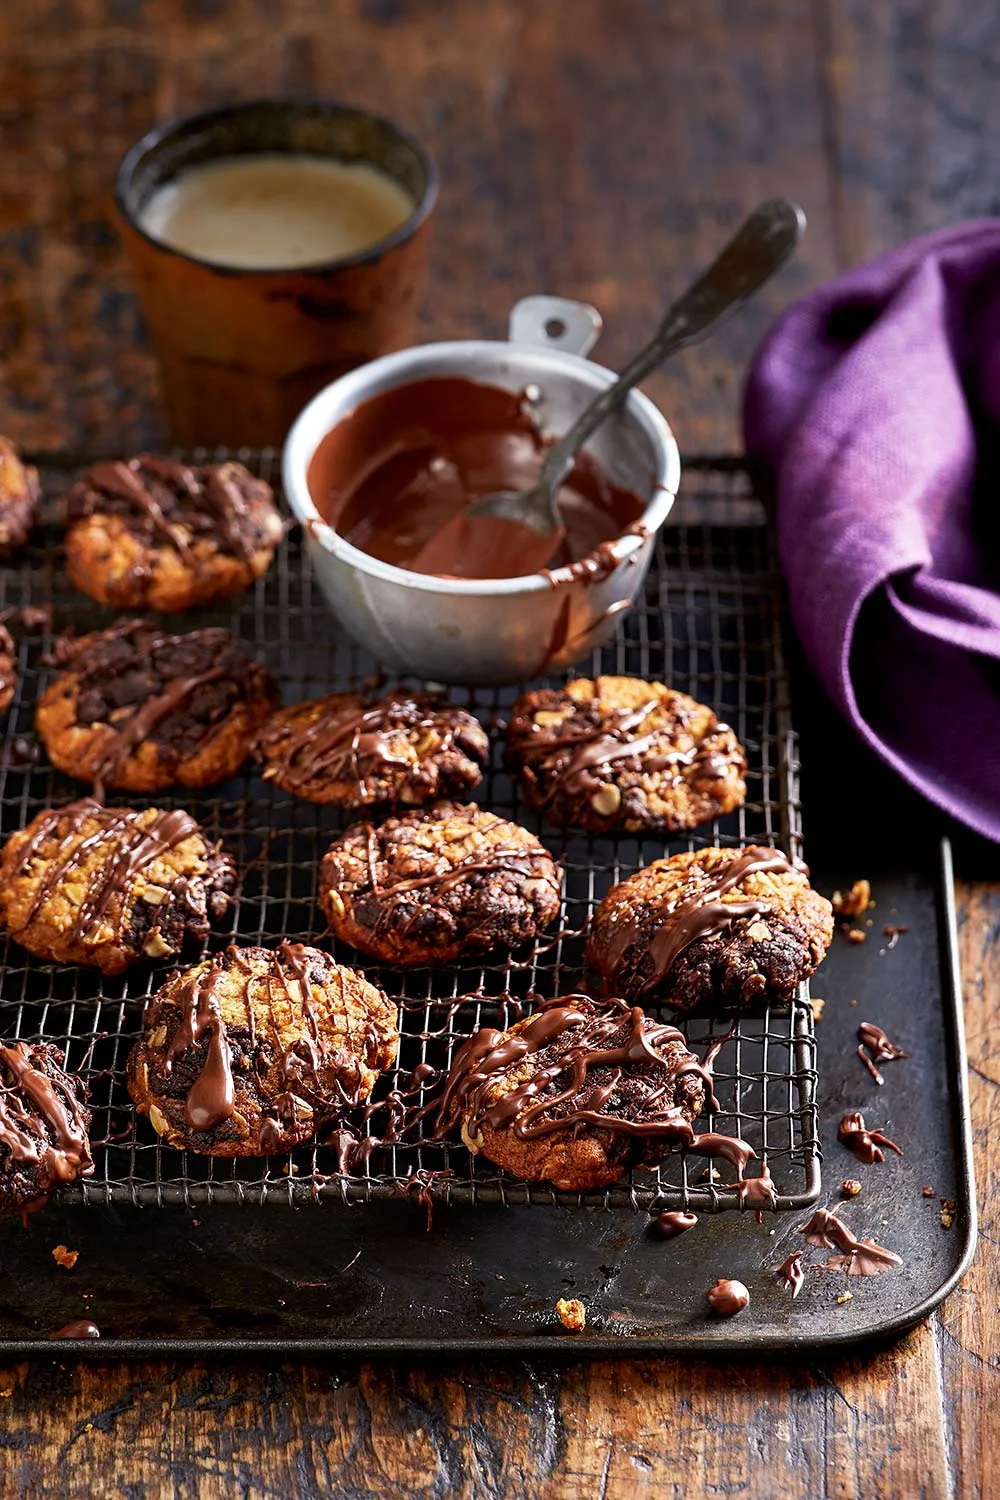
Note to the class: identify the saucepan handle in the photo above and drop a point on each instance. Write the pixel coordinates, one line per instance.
(555, 323)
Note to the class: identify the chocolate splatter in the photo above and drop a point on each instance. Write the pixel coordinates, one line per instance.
(727, 1298)
(864, 1143)
(875, 1047)
(792, 1272)
(673, 1222)
(859, 1258)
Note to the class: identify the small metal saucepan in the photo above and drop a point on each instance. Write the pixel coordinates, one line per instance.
(492, 631)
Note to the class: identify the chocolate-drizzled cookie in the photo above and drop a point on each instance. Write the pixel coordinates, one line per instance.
(151, 533)
(8, 669)
(252, 1051)
(18, 499)
(450, 882)
(737, 926)
(103, 885)
(43, 1124)
(619, 753)
(576, 1094)
(355, 751)
(135, 708)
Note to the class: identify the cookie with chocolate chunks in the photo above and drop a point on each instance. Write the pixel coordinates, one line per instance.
(431, 887)
(253, 1051)
(576, 1094)
(103, 886)
(18, 499)
(133, 707)
(152, 533)
(618, 753)
(740, 927)
(354, 751)
(8, 669)
(44, 1122)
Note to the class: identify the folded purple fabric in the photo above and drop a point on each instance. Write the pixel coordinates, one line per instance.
(876, 403)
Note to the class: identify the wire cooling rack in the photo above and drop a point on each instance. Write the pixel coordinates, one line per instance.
(708, 624)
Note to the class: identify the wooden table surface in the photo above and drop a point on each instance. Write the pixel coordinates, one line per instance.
(600, 149)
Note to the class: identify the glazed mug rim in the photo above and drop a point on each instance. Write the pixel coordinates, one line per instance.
(180, 123)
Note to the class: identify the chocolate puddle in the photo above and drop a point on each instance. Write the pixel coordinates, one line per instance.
(396, 476)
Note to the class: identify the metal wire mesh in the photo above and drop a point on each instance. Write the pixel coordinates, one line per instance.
(708, 623)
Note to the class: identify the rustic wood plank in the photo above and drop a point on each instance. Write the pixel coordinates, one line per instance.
(969, 1322)
(858, 1427)
(542, 190)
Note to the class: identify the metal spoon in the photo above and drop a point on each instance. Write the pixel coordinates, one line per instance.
(759, 248)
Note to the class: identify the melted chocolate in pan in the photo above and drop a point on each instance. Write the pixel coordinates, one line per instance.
(396, 476)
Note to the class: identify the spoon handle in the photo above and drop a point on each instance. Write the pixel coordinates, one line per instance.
(762, 244)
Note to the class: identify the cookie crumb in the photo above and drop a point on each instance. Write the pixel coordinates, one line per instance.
(65, 1258)
(850, 1187)
(855, 935)
(572, 1314)
(893, 933)
(846, 1297)
(928, 1191)
(816, 1006)
(947, 1212)
(853, 902)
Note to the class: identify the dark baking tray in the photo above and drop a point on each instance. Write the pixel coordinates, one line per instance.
(366, 1278)
(370, 1280)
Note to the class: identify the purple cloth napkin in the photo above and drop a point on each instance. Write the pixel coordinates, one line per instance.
(876, 403)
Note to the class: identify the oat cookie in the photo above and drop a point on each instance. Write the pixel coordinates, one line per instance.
(355, 751)
(151, 533)
(618, 753)
(8, 669)
(738, 926)
(43, 1125)
(18, 499)
(253, 1051)
(576, 1094)
(101, 886)
(431, 887)
(133, 707)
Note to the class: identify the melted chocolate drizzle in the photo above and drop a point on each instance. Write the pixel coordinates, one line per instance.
(50, 1097)
(517, 857)
(352, 739)
(177, 502)
(210, 1099)
(129, 848)
(875, 1047)
(700, 915)
(532, 1109)
(759, 1192)
(591, 746)
(138, 682)
(80, 1328)
(792, 1272)
(864, 1143)
(560, 1094)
